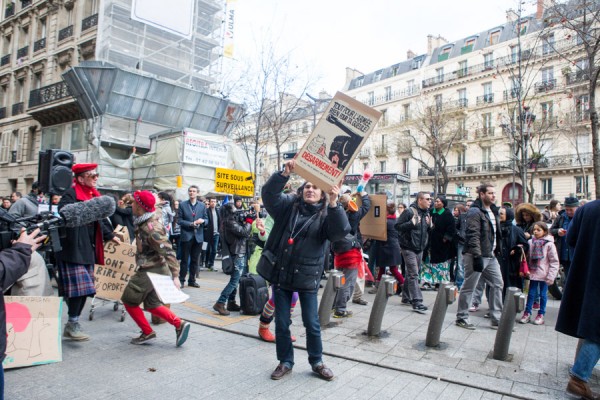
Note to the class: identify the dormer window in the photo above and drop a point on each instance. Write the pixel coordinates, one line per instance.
(522, 26)
(444, 53)
(359, 81)
(494, 37)
(469, 44)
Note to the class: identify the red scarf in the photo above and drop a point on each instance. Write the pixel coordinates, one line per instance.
(83, 193)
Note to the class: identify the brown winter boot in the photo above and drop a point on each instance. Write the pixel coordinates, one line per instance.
(579, 388)
(220, 308)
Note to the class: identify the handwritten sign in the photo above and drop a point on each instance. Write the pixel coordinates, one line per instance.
(111, 278)
(166, 289)
(232, 181)
(33, 330)
(331, 148)
(203, 152)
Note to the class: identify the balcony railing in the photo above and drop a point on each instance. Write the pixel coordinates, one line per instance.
(48, 94)
(89, 22)
(364, 153)
(578, 77)
(569, 160)
(394, 95)
(545, 86)
(497, 166)
(485, 132)
(544, 196)
(485, 99)
(381, 151)
(23, 52)
(65, 33)
(25, 3)
(511, 94)
(4, 60)
(2, 112)
(39, 45)
(18, 108)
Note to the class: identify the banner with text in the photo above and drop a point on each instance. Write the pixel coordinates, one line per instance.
(203, 152)
(232, 181)
(32, 331)
(229, 34)
(336, 140)
(119, 265)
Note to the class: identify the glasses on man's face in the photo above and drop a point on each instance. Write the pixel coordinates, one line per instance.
(427, 198)
(93, 175)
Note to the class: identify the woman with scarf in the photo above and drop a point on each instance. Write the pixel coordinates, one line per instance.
(514, 245)
(82, 247)
(293, 261)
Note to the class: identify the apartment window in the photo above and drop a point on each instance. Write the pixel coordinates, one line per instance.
(6, 45)
(461, 157)
(359, 81)
(394, 70)
(439, 73)
(20, 93)
(382, 165)
(41, 28)
(547, 147)
(548, 44)
(470, 42)
(406, 111)
(581, 185)
(23, 36)
(382, 141)
(487, 123)
(78, 141)
(37, 80)
(581, 68)
(583, 143)
(486, 155)
(546, 111)
(582, 106)
(410, 86)
(494, 37)
(514, 54)
(388, 93)
(384, 118)
(378, 76)
(405, 163)
(488, 60)
(462, 97)
(3, 90)
(488, 96)
(305, 127)
(462, 128)
(31, 150)
(365, 165)
(51, 138)
(548, 76)
(371, 98)
(546, 187)
(522, 27)
(438, 102)
(462, 69)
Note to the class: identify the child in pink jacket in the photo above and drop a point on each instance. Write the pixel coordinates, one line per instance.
(543, 267)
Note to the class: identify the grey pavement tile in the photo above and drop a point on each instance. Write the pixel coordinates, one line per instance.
(471, 394)
(537, 392)
(477, 367)
(517, 375)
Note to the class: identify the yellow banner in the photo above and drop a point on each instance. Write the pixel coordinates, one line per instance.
(232, 181)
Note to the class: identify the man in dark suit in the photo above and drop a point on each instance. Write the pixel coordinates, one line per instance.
(211, 232)
(192, 216)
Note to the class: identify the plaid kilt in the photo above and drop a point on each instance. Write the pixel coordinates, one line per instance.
(76, 279)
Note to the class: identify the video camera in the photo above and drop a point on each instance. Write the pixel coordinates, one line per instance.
(48, 223)
(243, 215)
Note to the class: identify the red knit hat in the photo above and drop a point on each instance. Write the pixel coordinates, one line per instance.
(81, 168)
(145, 199)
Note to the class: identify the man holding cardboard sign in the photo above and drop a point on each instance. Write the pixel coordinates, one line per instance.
(154, 254)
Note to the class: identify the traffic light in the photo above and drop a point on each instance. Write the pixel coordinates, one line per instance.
(54, 171)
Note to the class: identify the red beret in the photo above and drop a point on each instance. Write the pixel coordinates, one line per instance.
(145, 199)
(81, 168)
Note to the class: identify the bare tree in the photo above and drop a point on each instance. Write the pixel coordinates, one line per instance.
(582, 18)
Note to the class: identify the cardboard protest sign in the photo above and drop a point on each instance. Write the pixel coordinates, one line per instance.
(166, 289)
(374, 224)
(232, 181)
(337, 139)
(111, 278)
(123, 233)
(33, 331)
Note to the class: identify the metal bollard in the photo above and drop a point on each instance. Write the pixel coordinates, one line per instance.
(387, 288)
(446, 296)
(335, 280)
(513, 304)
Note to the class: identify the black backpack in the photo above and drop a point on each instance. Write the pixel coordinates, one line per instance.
(253, 294)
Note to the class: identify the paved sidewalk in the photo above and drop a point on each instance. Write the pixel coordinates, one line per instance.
(223, 358)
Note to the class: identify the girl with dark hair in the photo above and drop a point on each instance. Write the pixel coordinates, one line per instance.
(167, 213)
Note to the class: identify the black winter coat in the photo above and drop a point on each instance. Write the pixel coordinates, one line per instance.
(124, 217)
(79, 244)
(579, 312)
(299, 266)
(14, 262)
(388, 252)
(480, 233)
(442, 237)
(512, 236)
(236, 235)
(413, 237)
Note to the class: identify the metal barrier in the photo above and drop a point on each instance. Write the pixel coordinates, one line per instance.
(513, 303)
(446, 296)
(335, 280)
(387, 288)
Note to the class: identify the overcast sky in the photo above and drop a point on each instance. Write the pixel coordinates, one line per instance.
(330, 35)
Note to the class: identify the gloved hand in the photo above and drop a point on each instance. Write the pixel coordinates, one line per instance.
(477, 264)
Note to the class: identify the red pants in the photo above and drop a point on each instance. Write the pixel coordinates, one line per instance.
(137, 314)
(397, 274)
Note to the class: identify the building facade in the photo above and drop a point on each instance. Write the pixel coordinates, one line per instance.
(499, 102)
(42, 40)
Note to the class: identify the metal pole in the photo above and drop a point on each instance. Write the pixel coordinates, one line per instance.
(446, 295)
(385, 290)
(513, 303)
(334, 282)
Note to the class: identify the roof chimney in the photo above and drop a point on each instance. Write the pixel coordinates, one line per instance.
(511, 15)
(540, 9)
(410, 55)
(434, 42)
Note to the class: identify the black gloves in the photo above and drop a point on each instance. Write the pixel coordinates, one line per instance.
(477, 264)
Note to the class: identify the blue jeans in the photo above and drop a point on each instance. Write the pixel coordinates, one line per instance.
(586, 360)
(310, 318)
(228, 294)
(211, 250)
(459, 274)
(537, 289)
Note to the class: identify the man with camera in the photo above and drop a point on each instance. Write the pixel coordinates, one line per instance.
(14, 262)
(236, 232)
(192, 217)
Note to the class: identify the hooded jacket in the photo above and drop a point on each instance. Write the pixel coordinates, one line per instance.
(531, 209)
(480, 232)
(413, 237)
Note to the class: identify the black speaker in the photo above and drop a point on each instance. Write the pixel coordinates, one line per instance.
(54, 171)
